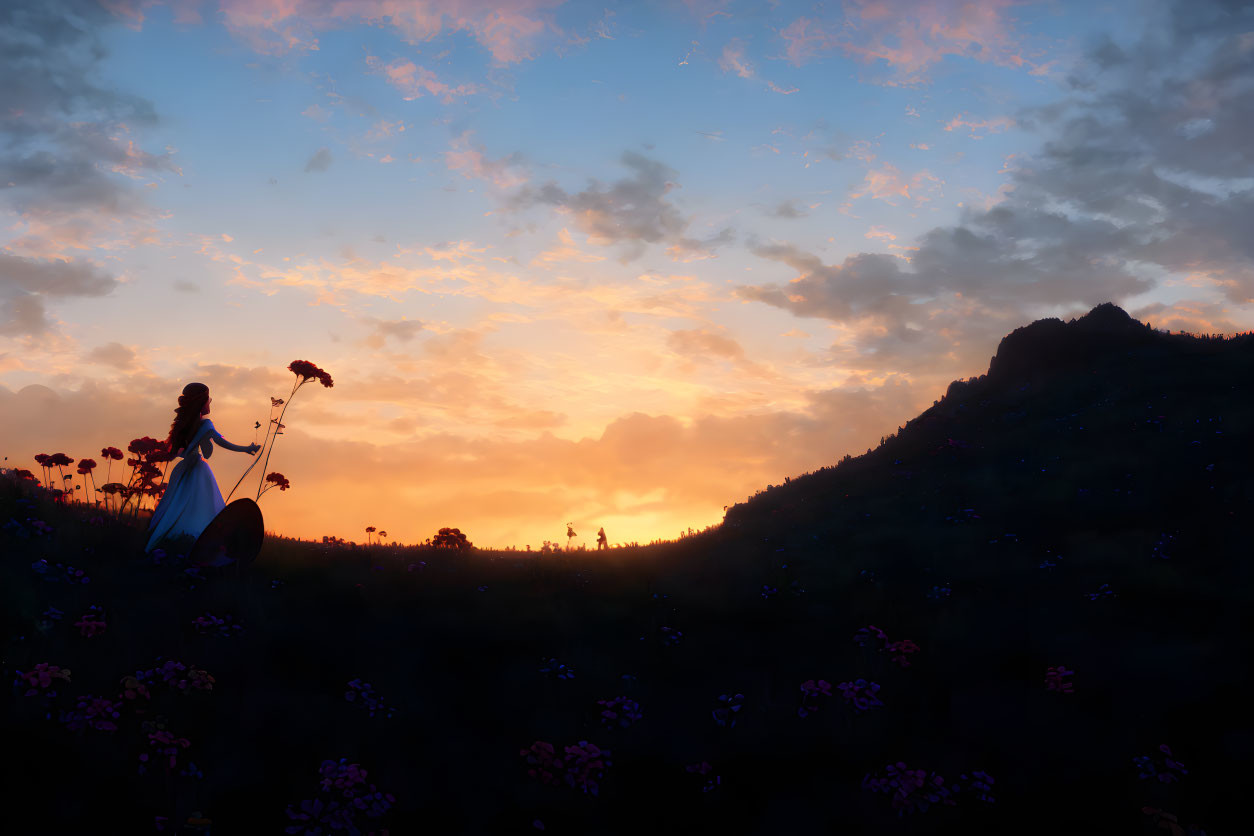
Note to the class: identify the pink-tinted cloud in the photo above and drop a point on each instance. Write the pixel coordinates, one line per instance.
(910, 36)
(783, 91)
(414, 81)
(733, 59)
(469, 159)
(887, 182)
(1190, 315)
(805, 39)
(565, 251)
(980, 128)
(706, 10)
(508, 29)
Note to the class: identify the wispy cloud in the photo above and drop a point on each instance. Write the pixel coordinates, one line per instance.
(26, 282)
(909, 37)
(733, 59)
(113, 354)
(402, 330)
(320, 161)
(783, 91)
(565, 251)
(469, 159)
(787, 209)
(632, 211)
(886, 182)
(509, 29)
(979, 128)
(686, 249)
(414, 81)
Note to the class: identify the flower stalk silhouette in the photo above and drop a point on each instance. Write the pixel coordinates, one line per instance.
(305, 372)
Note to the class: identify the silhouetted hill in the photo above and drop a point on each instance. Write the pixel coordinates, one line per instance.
(1051, 347)
(1095, 395)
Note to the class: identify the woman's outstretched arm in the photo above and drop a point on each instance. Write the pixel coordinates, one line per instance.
(250, 449)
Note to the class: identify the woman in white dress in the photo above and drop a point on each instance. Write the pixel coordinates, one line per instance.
(192, 498)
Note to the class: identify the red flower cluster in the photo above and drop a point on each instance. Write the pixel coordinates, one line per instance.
(901, 651)
(85, 466)
(279, 481)
(307, 371)
(150, 448)
(40, 679)
(111, 453)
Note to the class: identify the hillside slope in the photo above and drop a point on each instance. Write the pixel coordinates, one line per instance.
(1100, 420)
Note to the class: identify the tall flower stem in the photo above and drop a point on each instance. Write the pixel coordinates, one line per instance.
(256, 458)
(260, 482)
(264, 441)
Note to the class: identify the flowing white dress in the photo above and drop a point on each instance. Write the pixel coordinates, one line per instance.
(192, 498)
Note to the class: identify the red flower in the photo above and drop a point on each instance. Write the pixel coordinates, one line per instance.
(304, 369)
(85, 466)
(25, 474)
(279, 480)
(163, 453)
(58, 460)
(145, 446)
(111, 453)
(307, 371)
(42, 459)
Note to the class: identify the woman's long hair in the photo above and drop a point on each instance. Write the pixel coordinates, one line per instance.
(191, 404)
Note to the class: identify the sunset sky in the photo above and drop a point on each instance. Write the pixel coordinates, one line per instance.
(616, 264)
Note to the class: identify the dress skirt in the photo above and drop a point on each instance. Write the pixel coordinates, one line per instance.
(191, 501)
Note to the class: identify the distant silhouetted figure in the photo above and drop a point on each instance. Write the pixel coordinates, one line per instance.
(191, 498)
(602, 543)
(570, 534)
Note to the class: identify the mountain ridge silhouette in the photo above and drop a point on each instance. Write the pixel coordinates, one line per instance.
(1047, 367)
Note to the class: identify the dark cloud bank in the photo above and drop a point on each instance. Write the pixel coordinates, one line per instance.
(57, 152)
(1147, 170)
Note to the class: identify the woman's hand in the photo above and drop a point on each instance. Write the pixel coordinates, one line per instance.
(253, 448)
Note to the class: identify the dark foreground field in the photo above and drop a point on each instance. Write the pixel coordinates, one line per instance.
(1098, 518)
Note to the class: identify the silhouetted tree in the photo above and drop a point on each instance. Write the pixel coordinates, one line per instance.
(451, 538)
